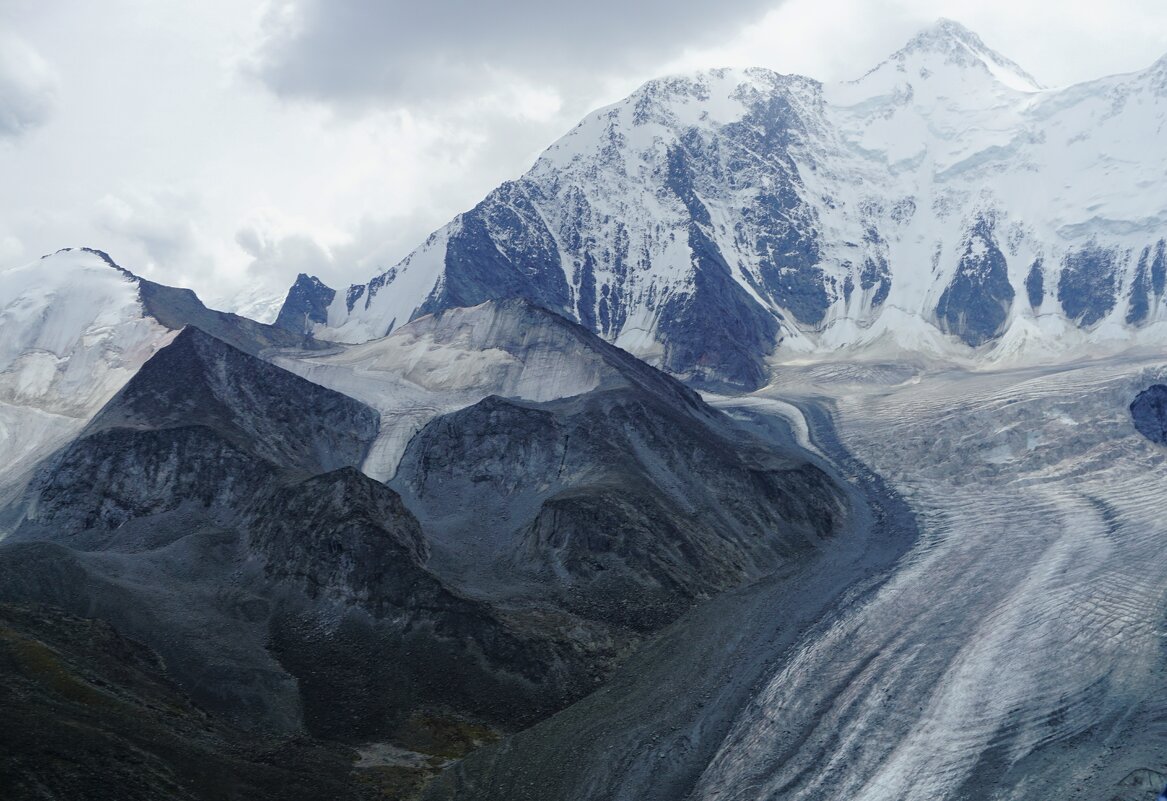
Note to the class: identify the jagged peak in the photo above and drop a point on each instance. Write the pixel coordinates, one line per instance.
(942, 34)
(957, 45)
(700, 85)
(311, 280)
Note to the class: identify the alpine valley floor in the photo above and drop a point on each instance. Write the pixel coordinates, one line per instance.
(1016, 650)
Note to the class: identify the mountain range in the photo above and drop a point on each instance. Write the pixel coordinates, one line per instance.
(944, 204)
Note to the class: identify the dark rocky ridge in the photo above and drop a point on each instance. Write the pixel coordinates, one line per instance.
(1035, 284)
(258, 407)
(307, 302)
(975, 305)
(200, 422)
(1088, 285)
(214, 511)
(625, 509)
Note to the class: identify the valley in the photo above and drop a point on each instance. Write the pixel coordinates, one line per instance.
(1017, 643)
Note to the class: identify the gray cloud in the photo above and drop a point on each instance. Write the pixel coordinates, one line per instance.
(160, 221)
(279, 257)
(403, 51)
(28, 87)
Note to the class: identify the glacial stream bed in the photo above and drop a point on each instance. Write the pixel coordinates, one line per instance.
(992, 625)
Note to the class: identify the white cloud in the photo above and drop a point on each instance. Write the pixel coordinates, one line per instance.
(161, 221)
(28, 87)
(283, 255)
(11, 250)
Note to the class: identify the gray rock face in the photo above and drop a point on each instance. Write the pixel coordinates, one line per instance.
(730, 352)
(975, 305)
(306, 303)
(1138, 300)
(622, 508)
(502, 249)
(1088, 285)
(278, 417)
(106, 480)
(91, 714)
(1149, 413)
(348, 560)
(1035, 284)
(1159, 269)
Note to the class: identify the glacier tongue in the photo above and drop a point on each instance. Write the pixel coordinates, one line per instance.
(708, 219)
(1019, 644)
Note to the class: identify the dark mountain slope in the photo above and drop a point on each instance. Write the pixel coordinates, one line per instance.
(203, 515)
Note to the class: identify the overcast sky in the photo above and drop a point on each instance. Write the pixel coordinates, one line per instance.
(227, 145)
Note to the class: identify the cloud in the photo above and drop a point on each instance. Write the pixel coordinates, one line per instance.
(160, 221)
(28, 87)
(396, 52)
(11, 250)
(281, 256)
(1083, 41)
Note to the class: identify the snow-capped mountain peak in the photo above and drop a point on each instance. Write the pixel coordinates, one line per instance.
(942, 203)
(945, 66)
(950, 43)
(74, 328)
(59, 314)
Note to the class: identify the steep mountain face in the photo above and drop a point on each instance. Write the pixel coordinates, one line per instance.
(76, 327)
(620, 507)
(201, 422)
(944, 203)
